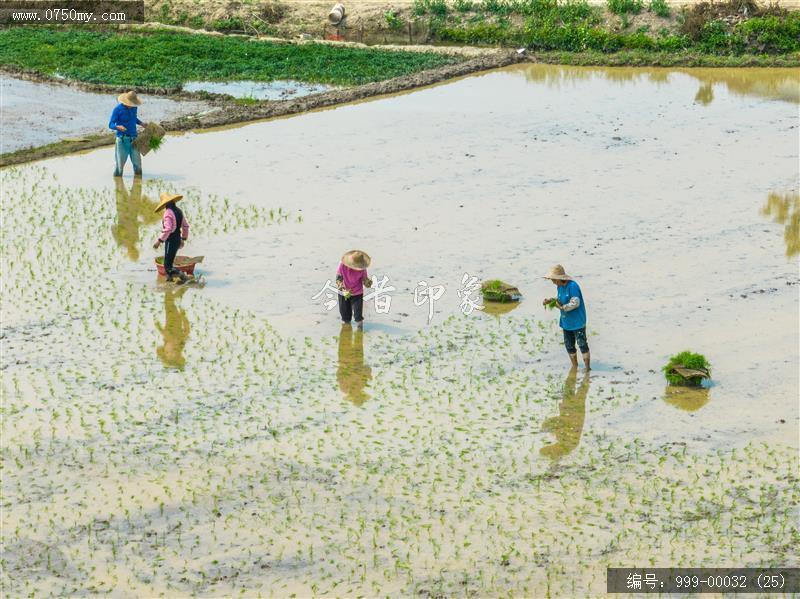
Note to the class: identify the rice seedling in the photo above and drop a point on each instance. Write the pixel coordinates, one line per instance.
(687, 368)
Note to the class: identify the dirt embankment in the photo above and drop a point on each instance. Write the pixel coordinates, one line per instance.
(230, 112)
(373, 21)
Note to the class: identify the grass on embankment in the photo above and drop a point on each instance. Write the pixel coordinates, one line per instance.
(170, 59)
(717, 29)
(649, 58)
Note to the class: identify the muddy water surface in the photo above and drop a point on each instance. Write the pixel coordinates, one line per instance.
(257, 90)
(236, 438)
(652, 186)
(36, 114)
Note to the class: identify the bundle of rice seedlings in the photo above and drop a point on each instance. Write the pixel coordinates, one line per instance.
(687, 368)
(551, 305)
(155, 143)
(496, 290)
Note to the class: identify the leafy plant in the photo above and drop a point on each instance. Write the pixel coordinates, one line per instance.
(463, 5)
(624, 7)
(689, 360)
(393, 20)
(660, 8)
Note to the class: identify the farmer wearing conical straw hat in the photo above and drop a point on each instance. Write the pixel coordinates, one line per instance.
(123, 122)
(174, 233)
(351, 278)
(570, 303)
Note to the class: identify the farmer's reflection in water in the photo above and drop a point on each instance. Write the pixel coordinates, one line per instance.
(568, 425)
(353, 375)
(175, 330)
(785, 209)
(133, 211)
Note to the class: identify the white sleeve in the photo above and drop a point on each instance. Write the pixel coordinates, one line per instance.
(573, 303)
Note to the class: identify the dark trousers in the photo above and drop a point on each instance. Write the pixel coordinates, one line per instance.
(171, 247)
(352, 307)
(579, 336)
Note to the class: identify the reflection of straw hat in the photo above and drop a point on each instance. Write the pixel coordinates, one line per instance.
(356, 259)
(557, 273)
(129, 99)
(166, 198)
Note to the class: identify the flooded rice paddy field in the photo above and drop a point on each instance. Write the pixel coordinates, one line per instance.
(257, 90)
(36, 114)
(235, 439)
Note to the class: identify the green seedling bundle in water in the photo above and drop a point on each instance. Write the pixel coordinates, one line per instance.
(692, 363)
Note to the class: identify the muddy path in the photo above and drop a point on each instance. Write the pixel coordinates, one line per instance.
(230, 112)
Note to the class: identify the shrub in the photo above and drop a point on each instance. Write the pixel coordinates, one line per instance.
(671, 43)
(463, 5)
(497, 7)
(768, 35)
(689, 360)
(659, 8)
(437, 8)
(715, 37)
(230, 24)
(624, 7)
(394, 22)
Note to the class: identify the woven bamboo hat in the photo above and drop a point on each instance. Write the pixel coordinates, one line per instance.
(166, 198)
(356, 259)
(557, 273)
(129, 99)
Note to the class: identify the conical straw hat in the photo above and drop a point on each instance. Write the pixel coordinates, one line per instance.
(356, 259)
(166, 198)
(129, 99)
(557, 273)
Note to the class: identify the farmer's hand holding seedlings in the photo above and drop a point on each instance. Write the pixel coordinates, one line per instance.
(551, 303)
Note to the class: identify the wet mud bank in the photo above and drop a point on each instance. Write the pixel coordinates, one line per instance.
(230, 112)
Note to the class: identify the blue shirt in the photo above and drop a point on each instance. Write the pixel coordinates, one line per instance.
(574, 319)
(125, 116)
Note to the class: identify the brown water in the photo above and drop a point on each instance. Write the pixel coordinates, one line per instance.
(236, 438)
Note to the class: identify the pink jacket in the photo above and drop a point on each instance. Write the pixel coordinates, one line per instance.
(168, 223)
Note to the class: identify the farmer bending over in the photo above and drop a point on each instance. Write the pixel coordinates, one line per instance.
(123, 122)
(174, 233)
(573, 313)
(351, 278)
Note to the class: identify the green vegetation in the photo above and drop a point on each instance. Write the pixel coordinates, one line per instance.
(686, 359)
(155, 143)
(575, 26)
(499, 291)
(393, 20)
(683, 58)
(551, 305)
(660, 8)
(169, 59)
(624, 7)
